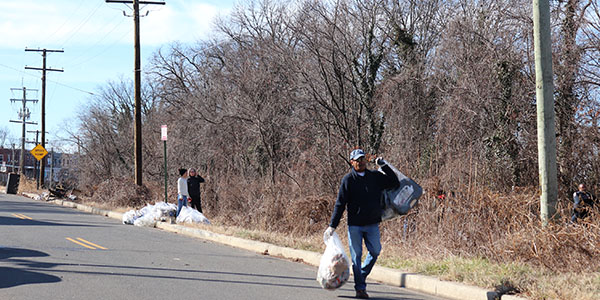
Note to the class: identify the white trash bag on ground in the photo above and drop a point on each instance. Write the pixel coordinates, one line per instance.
(147, 220)
(167, 209)
(149, 214)
(130, 216)
(190, 215)
(334, 269)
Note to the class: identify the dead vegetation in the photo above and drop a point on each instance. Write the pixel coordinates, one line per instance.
(268, 114)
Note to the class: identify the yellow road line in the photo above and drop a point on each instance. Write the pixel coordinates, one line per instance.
(88, 242)
(26, 217)
(80, 243)
(18, 216)
(22, 216)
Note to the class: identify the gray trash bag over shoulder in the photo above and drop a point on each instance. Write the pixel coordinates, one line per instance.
(334, 268)
(398, 201)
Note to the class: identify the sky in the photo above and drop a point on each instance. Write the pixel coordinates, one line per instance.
(97, 40)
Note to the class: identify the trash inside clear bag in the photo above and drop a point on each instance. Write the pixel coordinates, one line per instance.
(191, 215)
(334, 268)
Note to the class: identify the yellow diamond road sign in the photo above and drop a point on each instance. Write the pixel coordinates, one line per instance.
(38, 152)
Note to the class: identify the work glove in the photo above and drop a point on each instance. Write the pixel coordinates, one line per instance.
(380, 162)
(328, 233)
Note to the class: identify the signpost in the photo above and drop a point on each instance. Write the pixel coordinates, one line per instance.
(163, 137)
(39, 152)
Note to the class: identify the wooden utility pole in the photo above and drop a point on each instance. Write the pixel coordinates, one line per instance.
(23, 116)
(137, 83)
(43, 69)
(544, 89)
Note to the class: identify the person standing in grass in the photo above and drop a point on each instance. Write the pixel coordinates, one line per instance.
(193, 183)
(360, 192)
(182, 190)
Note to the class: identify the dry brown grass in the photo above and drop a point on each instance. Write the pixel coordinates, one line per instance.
(482, 238)
(27, 185)
(123, 192)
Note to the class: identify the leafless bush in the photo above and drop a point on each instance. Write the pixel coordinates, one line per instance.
(500, 227)
(123, 192)
(269, 112)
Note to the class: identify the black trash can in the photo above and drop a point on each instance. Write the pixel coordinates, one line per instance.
(13, 183)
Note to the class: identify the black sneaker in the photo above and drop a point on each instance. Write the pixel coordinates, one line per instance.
(362, 294)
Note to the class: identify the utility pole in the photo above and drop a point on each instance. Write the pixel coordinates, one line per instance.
(137, 83)
(544, 89)
(23, 116)
(43, 69)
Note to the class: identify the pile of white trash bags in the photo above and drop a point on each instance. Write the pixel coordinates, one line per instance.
(161, 211)
(334, 269)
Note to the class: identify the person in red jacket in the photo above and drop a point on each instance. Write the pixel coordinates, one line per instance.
(360, 193)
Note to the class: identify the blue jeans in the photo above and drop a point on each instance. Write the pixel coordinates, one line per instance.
(181, 202)
(370, 234)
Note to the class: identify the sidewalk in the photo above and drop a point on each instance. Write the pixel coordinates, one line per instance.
(393, 277)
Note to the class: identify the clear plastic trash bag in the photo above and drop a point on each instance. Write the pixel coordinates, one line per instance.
(147, 220)
(334, 269)
(151, 213)
(191, 215)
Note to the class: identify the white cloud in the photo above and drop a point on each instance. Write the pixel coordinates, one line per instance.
(40, 23)
(183, 22)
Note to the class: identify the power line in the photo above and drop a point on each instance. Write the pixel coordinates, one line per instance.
(87, 59)
(73, 12)
(81, 24)
(53, 81)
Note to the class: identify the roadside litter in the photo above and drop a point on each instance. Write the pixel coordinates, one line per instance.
(150, 214)
(334, 269)
(42, 197)
(190, 215)
(161, 211)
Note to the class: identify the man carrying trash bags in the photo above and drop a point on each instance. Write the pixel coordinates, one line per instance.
(361, 192)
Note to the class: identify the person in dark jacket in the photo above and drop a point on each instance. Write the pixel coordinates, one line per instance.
(583, 202)
(193, 182)
(360, 192)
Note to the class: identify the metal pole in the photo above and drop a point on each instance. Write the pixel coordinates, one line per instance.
(545, 110)
(166, 173)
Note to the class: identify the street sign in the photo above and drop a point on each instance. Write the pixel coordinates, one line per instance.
(38, 152)
(163, 132)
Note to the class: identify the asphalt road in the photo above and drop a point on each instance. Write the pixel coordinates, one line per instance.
(52, 252)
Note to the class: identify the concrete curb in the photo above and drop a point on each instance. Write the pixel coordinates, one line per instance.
(393, 277)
